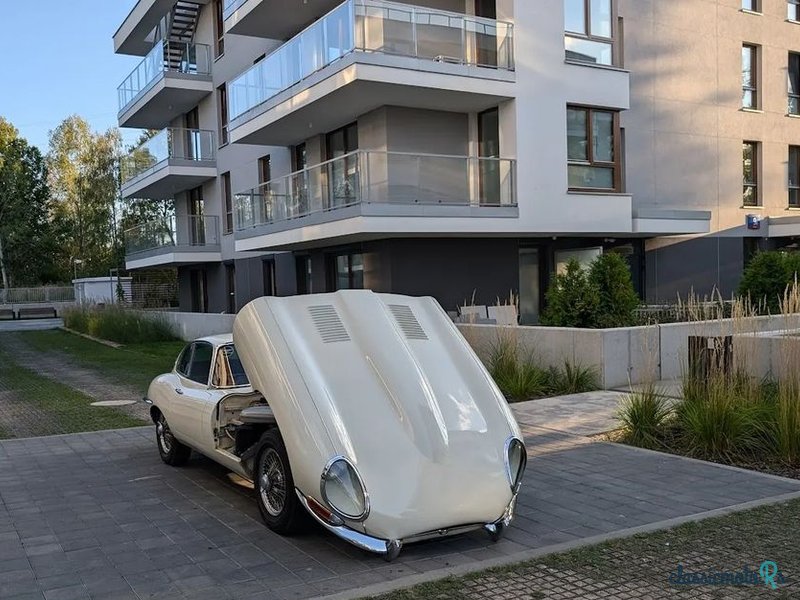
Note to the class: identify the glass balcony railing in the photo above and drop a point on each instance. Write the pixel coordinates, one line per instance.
(180, 144)
(391, 178)
(380, 27)
(171, 232)
(231, 6)
(167, 56)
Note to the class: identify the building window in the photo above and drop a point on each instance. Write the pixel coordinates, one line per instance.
(264, 169)
(750, 173)
(270, 282)
(347, 271)
(219, 27)
(222, 103)
(589, 31)
(593, 149)
(794, 83)
(794, 176)
(304, 281)
(793, 10)
(749, 76)
(751, 5)
(227, 199)
(230, 285)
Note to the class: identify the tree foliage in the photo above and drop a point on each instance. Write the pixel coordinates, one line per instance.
(767, 276)
(84, 182)
(601, 296)
(26, 241)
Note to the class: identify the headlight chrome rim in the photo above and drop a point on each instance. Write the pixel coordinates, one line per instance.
(515, 479)
(333, 507)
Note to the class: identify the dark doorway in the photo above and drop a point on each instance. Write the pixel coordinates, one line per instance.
(343, 172)
(199, 290)
(489, 153)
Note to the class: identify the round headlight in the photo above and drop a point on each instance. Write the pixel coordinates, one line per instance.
(343, 490)
(516, 459)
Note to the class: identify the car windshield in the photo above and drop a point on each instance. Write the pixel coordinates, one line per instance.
(228, 370)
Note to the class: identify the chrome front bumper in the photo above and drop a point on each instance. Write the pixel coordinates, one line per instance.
(390, 549)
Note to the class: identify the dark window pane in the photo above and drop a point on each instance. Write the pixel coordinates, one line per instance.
(182, 365)
(575, 16)
(201, 363)
(603, 136)
(357, 271)
(577, 142)
(748, 162)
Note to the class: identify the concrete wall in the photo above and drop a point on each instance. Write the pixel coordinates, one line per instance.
(190, 326)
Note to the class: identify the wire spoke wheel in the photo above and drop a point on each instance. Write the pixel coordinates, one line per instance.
(272, 482)
(165, 438)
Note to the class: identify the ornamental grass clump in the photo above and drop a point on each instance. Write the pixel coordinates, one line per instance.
(118, 324)
(644, 415)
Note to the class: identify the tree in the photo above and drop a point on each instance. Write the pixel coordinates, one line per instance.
(572, 300)
(84, 179)
(617, 300)
(26, 242)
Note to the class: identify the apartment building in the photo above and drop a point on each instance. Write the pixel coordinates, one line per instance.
(463, 149)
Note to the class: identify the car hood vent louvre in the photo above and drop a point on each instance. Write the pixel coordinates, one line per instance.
(408, 322)
(328, 323)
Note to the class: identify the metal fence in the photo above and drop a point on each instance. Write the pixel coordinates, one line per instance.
(37, 295)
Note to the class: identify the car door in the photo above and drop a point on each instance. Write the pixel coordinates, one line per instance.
(193, 400)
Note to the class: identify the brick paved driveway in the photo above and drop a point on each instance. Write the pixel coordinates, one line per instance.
(98, 515)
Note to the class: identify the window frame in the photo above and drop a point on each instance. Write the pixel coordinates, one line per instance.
(269, 277)
(224, 123)
(227, 203)
(793, 5)
(754, 184)
(752, 89)
(793, 190)
(793, 98)
(265, 169)
(186, 376)
(219, 28)
(587, 35)
(230, 287)
(616, 165)
(215, 364)
(333, 278)
(755, 9)
(304, 270)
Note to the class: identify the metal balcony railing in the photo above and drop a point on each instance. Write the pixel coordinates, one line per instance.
(374, 26)
(172, 232)
(166, 56)
(369, 177)
(173, 143)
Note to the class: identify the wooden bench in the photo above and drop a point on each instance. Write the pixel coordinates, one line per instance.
(7, 314)
(38, 312)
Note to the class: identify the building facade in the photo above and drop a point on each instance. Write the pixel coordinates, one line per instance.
(463, 149)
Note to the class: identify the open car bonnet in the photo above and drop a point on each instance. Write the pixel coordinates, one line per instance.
(388, 382)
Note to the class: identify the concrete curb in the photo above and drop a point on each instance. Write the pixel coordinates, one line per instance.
(461, 570)
(62, 435)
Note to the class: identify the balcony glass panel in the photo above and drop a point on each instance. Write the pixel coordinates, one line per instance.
(171, 232)
(231, 6)
(368, 177)
(170, 144)
(374, 26)
(176, 57)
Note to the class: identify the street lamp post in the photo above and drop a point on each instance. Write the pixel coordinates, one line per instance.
(75, 263)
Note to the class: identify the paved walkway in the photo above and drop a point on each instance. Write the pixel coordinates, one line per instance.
(99, 515)
(30, 324)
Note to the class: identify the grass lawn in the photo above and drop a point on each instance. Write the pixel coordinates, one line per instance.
(134, 365)
(640, 566)
(46, 407)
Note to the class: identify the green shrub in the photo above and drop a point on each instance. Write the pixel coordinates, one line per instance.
(766, 278)
(572, 379)
(644, 415)
(572, 301)
(118, 324)
(617, 300)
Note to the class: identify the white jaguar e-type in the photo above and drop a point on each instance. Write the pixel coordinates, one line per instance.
(370, 412)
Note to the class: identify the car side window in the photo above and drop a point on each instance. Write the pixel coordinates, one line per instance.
(228, 369)
(182, 364)
(201, 362)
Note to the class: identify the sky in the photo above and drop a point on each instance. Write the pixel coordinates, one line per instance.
(57, 59)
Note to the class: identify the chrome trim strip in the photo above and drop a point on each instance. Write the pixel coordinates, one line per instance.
(515, 485)
(331, 462)
(387, 548)
(147, 400)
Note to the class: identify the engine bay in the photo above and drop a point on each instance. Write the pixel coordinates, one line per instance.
(241, 421)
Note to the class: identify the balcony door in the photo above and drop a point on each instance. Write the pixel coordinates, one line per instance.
(197, 230)
(489, 148)
(191, 122)
(343, 168)
(486, 35)
(198, 285)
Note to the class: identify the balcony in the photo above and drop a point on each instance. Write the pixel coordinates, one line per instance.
(173, 161)
(173, 241)
(274, 19)
(365, 54)
(169, 81)
(360, 194)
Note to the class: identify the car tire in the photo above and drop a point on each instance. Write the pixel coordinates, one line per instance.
(171, 450)
(274, 487)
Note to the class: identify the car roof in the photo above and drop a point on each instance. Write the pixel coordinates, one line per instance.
(217, 340)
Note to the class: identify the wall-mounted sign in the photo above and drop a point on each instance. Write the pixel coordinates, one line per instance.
(753, 222)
